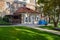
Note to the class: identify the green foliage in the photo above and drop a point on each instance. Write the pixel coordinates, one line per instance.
(2, 22)
(51, 8)
(49, 5)
(40, 1)
(6, 18)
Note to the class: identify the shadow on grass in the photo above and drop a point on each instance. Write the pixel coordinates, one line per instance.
(23, 33)
(47, 27)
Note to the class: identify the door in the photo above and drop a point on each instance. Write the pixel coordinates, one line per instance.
(20, 17)
(29, 19)
(16, 19)
(32, 19)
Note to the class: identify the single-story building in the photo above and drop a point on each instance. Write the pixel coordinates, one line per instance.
(25, 15)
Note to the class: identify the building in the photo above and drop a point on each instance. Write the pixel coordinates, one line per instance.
(22, 11)
(16, 4)
(25, 15)
(6, 5)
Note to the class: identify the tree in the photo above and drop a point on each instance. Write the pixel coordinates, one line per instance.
(45, 7)
(51, 7)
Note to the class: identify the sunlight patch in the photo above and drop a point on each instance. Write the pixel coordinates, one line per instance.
(26, 31)
(17, 29)
(17, 39)
(0, 29)
(48, 36)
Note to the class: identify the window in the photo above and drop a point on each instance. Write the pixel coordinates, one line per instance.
(29, 19)
(24, 0)
(26, 19)
(27, 1)
(37, 18)
(8, 4)
(15, 0)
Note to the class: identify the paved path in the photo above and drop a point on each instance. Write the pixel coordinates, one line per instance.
(51, 31)
(30, 25)
(36, 27)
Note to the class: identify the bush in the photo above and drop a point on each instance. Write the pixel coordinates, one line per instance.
(1, 18)
(4, 21)
(6, 18)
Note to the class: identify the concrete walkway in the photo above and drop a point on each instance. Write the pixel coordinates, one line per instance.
(36, 27)
(51, 31)
(30, 25)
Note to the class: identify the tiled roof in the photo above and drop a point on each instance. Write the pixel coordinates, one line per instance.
(25, 10)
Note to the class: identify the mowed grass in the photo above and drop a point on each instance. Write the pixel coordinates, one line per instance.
(25, 33)
(47, 27)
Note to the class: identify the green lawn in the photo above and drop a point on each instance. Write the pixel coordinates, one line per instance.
(24, 33)
(47, 27)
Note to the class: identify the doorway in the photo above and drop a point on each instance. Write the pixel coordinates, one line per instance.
(29, 19)
(17, 19)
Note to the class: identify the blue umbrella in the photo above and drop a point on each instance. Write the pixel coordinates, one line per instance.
(42, 22)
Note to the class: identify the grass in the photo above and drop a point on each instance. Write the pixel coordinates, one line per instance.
(47, 27)
(24, 33)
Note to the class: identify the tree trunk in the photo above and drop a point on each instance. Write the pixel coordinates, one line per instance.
(55, 24)
(55, 21)
(49, 19)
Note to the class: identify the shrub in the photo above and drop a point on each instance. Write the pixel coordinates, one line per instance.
(4, 21)
(6, 18)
